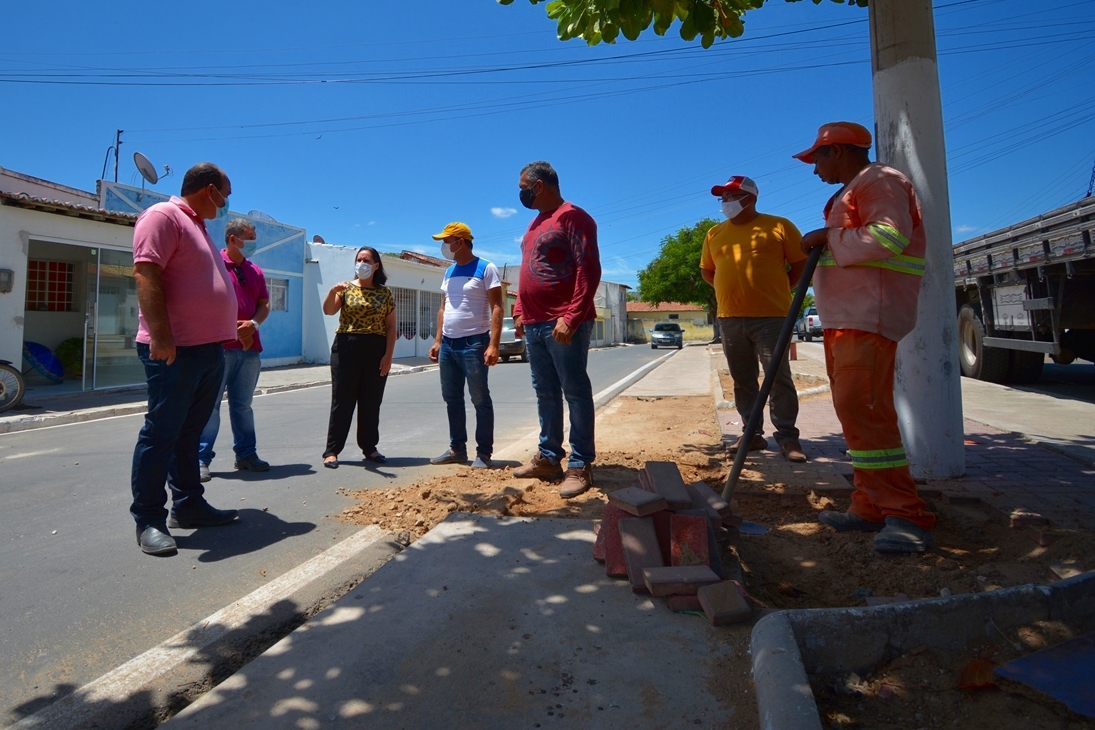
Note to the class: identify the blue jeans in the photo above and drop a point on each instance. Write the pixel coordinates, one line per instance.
(241, 375)
(461, 359)
(559, 371)
(180, 398)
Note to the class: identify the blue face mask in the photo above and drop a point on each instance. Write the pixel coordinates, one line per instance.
(249, 247)
(222, 212)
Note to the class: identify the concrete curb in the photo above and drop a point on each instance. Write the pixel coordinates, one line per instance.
(28, 423)
(144, 691)
(787, 646)
(600, 400)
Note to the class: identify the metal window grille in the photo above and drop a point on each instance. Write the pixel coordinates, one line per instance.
(278, 290)
(406, 314)
(429, 303)
(50, 286)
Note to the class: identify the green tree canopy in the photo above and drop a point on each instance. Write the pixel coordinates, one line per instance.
(674, 274)
(605, 20)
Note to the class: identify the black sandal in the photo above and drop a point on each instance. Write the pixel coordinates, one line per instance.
(332, 464)
(377, 458)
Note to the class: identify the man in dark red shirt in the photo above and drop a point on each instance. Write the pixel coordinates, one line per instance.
(560, 271)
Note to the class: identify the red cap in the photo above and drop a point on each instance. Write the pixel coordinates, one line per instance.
(837, 133)
(735, 184)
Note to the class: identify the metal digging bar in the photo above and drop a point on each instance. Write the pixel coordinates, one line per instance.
(770, 373)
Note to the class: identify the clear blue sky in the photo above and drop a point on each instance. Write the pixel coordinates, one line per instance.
(377, 123)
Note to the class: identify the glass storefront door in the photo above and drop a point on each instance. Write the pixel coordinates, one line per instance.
(110, 357)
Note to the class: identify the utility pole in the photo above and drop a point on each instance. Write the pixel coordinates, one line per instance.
(117, 149)
(909, 137)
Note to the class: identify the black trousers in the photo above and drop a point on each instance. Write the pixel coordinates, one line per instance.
(356, 383)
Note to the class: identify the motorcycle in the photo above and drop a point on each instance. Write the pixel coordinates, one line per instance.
(12, 386)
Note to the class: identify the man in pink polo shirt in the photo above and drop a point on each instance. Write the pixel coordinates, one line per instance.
(187, 309)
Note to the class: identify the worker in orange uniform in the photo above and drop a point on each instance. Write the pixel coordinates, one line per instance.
(866, 285)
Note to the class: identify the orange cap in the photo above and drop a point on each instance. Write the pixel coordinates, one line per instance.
(837, 133)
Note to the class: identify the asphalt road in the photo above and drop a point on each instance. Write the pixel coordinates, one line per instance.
(78, 597)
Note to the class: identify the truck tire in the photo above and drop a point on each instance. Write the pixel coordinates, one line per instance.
(1026, 367)
(977, 361)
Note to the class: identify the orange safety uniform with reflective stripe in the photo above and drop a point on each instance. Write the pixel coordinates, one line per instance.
(867, 284)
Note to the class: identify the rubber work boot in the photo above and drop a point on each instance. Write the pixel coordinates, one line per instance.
(847, 522)
(901, 536)
(792, 451)
(578, 480)
(539, 467)
(759, 443)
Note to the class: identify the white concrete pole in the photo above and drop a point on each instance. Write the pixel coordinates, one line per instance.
(909, 137)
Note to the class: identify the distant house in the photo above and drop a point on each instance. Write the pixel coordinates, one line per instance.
(693, 319)
(610, 327)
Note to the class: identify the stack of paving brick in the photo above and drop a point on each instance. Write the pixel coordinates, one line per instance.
(663, 535)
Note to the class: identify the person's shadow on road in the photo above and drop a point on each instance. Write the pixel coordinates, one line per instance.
(277, 471)
(254, 530)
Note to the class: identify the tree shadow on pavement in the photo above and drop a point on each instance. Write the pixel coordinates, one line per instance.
(188, 665)
(254, 530)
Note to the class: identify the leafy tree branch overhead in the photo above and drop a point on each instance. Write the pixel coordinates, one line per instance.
(605, 20)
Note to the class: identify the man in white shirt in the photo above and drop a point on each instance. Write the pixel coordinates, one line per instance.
(469, 326)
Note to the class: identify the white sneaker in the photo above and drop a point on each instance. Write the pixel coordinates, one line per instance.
(203, 472)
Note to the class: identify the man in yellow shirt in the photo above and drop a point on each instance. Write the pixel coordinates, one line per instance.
(753, 260)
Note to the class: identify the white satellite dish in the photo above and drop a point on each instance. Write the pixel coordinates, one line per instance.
(318, 239)
(146, 168)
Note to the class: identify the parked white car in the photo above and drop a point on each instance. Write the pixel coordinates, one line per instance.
(510, 345)
(808, 325)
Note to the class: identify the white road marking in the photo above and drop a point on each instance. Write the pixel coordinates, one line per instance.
(119, 684)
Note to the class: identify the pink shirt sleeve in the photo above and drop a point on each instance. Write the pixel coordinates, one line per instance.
(883, 200)
(155, 239)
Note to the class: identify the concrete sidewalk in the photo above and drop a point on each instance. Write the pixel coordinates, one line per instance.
(43, 407)
(1023, 450)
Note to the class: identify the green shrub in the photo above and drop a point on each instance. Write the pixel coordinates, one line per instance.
(71, 354)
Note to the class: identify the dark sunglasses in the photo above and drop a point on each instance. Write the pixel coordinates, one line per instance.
(239, 274)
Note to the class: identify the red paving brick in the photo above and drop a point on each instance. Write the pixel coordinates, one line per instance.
(637, 501)
(683, 603)
(615, 564)
(680, 579)
(724, 603)
(641, 549)
(688, 540)
(666, 480)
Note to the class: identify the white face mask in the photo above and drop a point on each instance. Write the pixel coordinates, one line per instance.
(732, 208)
(364, 270)
(446, 251)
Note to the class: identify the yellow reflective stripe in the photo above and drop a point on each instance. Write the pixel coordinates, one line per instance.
(888, 236)
(912, 265)
(879, 459)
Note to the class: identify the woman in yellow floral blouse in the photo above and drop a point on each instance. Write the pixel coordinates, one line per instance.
(361, 356)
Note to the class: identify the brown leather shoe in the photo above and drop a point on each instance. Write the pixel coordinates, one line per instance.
(792, 451)
(579, 479)
(539, 467)
(759, 443)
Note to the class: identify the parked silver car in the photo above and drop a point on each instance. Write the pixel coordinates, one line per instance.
(510, 344)
(808, 325)
(667, 334)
